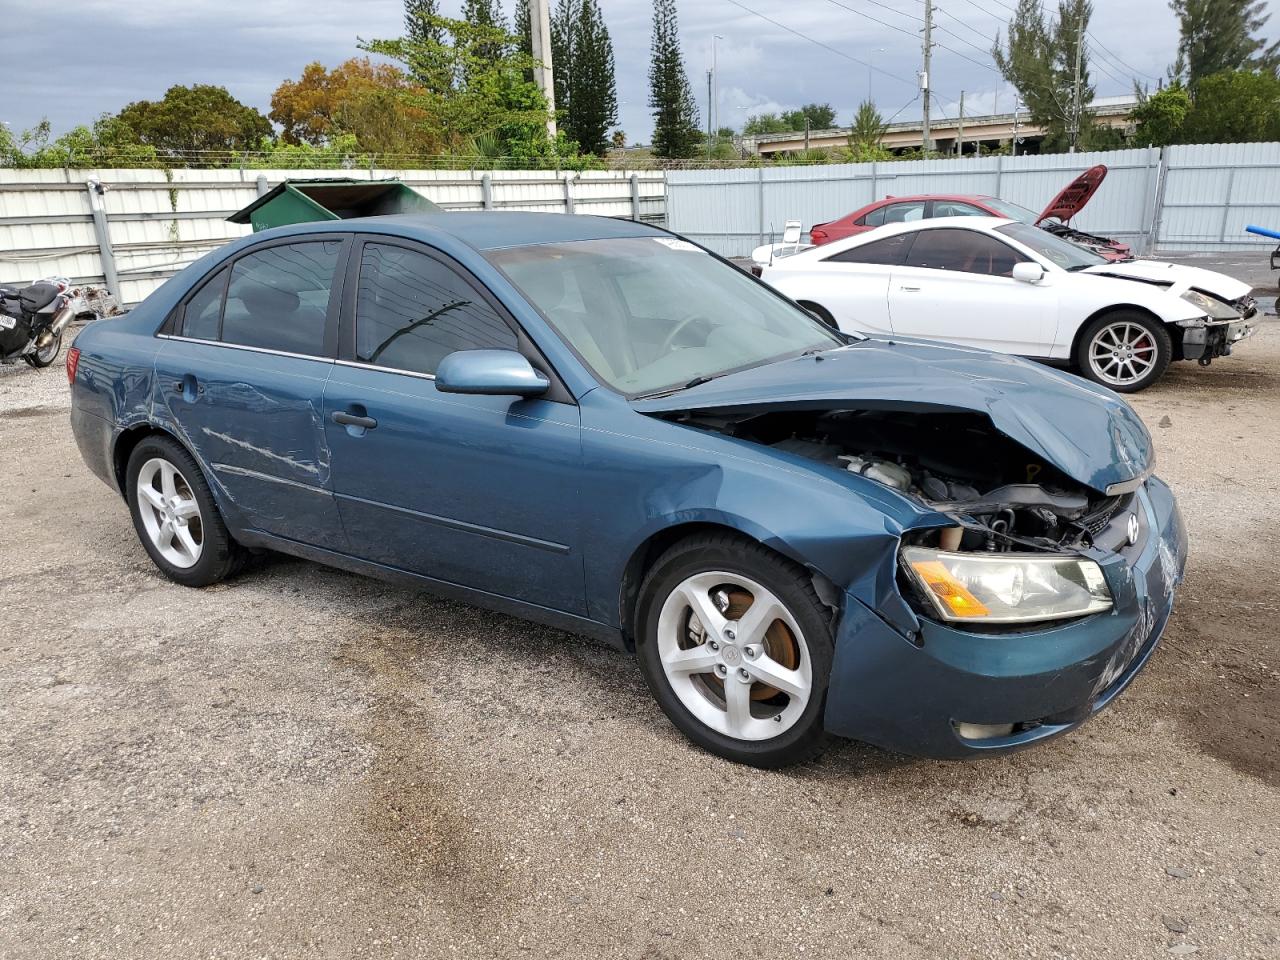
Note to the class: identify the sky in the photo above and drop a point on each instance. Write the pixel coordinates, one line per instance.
(107, 53)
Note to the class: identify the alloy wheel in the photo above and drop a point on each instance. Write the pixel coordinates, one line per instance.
(170, 513)
(734, 655)
(1122, 353)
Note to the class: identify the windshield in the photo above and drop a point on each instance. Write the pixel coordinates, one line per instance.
(1065, 254)
(1011, 210)
(652, 314)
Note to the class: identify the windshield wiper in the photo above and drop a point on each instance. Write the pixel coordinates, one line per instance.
(697, 381)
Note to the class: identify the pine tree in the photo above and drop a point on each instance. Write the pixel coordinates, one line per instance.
(1217, 35)
(486, 13)
(562, 57)
(593, 98)
(675, 114)
(416, 27)
(523, 29)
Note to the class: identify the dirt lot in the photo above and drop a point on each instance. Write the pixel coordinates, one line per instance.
(304, 763)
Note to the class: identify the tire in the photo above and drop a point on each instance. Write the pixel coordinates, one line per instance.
(679, 657)
(182, 502)
(821, 312)
(43, 358)
(1124, 350)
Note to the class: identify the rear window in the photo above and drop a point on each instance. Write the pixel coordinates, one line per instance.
(278, 298)
(890, 252)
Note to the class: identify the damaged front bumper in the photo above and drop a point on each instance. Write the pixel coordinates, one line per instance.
(1209, 340)
(929, 694)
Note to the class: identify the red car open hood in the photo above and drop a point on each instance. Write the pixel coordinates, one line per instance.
(1075, 195)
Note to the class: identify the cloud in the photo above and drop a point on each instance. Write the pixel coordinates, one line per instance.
(136, 50)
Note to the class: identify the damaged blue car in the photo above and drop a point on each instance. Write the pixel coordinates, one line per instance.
(598, 425)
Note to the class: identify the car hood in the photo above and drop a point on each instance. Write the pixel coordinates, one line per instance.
(1087, 432)
(1074, 195)
(1176, 277)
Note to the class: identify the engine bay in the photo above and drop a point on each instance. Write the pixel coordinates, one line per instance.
(1002, 497)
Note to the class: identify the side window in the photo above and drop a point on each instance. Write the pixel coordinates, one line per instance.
(954, 208)
(203, 312)
(278, 298)
(412, 311)
(872, 219)
(890, 251)
(962, 251)
(904, 212)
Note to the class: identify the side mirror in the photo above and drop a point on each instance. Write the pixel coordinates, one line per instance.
(498, 373)
(1028, 272)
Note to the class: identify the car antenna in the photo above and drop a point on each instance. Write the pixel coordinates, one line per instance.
(771, 243)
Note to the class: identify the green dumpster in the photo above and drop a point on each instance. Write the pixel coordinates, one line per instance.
(302, 201)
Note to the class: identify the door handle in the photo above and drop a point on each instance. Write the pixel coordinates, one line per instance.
(353, 420)
(910, 289)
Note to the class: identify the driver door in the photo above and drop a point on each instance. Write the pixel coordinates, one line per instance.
(957, 285)
(479, 491)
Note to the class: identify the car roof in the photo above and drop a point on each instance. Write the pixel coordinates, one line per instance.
(482, 230)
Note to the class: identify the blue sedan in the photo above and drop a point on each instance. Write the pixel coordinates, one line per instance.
(598, 425)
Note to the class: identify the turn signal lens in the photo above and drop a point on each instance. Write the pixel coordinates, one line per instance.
(949, 590)
(73, 361)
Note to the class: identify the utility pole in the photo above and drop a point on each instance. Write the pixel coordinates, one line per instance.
(960, 128)
(543, 74)
(806, 132)
(1014, 142)
(715, 90)
(1075, 92)
(924, 73)
(709, 114)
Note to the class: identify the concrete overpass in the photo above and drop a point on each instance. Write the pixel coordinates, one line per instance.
(990, 131)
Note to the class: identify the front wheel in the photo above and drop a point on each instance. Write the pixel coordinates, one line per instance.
(46, 354)
(1126, 351)
(736, 648)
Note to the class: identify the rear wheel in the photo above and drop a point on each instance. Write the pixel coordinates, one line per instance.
(175, 515)
(736, 648)
(46, 355)
(1126, 351)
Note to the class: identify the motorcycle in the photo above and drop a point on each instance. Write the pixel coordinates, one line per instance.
(32, 320)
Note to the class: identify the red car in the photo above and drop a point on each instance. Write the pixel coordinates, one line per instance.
(1055, 217)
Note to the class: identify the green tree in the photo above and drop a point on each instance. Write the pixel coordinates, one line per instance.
(107, 143)
(764, 123)
(563, 19)
(675, 114)
(1234, 106)
(1159, 117)
(193, 121)
(421, 20)
(868, 127)
(593, 98)
(487, 14)
(821, 116)
(1039, 60)
(492, 109)
(1218, 35)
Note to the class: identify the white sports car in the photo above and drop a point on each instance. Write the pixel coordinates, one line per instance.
(1010, 287)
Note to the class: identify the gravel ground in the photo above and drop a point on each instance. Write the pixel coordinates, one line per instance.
(304, 763)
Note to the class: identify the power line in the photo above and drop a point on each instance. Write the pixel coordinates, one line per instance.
(825, 46)
(911, 33)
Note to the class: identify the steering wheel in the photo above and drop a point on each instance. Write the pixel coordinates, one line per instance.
(678, 329)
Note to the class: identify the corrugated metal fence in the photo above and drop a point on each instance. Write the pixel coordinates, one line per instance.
(151, 223)
(1179, 198)
(148, 224)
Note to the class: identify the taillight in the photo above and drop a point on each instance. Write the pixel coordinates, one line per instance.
(817, 236)
(73, 361)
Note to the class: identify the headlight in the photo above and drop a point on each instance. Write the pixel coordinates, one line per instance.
(1008, 587)
(1214, 307)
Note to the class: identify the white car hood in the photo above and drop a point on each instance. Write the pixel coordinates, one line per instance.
(1175, 277)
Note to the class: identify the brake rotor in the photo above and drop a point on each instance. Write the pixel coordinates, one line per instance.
(779, 643)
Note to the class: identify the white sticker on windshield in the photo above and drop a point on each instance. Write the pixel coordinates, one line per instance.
(675, 244)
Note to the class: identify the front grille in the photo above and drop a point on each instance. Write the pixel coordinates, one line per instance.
(1098, 520)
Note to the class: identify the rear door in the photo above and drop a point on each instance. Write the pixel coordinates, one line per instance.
(242, 374)
(854, 284)
(479, 491)
(957, 285)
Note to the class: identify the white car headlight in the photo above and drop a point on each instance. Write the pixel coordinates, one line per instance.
(1214, 307)
(1008, 587)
